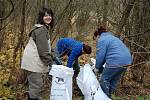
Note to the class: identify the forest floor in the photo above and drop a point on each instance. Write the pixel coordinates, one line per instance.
(126, 92)
(129, 88)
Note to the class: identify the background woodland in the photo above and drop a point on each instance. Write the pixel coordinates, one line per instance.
(127, 19)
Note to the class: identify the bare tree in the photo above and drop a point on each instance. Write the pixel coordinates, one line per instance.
(125, 16)
(20, 34)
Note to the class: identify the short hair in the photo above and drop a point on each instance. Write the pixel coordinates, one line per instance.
(87, 49)
(99, 31)
(41, 14)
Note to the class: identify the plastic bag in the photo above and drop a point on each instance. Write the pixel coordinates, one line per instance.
(89, 84)
(93, 63)
(61, 82)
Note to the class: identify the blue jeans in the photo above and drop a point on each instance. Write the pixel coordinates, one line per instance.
(109, 79)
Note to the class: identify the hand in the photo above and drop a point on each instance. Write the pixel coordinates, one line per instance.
(92, 62)
(64, 58)
(96, 71)
(93, 67)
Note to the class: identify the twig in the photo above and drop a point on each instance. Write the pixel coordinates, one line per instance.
(10, 10)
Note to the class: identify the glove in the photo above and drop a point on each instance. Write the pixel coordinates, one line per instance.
(56, 59)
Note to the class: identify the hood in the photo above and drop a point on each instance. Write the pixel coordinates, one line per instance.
(36, 26)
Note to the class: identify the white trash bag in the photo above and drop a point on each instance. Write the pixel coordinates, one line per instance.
(61, 87)
(93, 63)
(89, 84)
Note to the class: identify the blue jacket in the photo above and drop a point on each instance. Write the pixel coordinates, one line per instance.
(73, 48)
(112, 51)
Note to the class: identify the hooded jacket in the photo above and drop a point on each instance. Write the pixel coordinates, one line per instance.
(37, 53)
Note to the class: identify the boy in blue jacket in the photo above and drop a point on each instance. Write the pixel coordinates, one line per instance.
(73, 49)
(113, 52)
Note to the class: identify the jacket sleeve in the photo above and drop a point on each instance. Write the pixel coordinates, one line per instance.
(101, 53)
(75, 53)
(41, 40)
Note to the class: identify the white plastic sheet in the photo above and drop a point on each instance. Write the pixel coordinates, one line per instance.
(93, 63)
(61, 88)
(89, 84)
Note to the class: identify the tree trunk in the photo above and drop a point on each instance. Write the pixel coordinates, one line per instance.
(125, 16)
(20, 38)
(19, 46)
(1, 24)
(46, 3)
(105, 12)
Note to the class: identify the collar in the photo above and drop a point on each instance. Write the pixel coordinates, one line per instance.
(106, 33)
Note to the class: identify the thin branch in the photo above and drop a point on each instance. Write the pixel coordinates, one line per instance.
(125, 15)
(11, 18)
(136, 44)
(138, 34)
(3, 18)
(59, 19)
(141, 52)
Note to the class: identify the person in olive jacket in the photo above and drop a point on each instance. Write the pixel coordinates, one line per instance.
(37, 54)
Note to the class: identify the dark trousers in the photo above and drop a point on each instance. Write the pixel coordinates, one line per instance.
(109, 79)
(35, 81)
